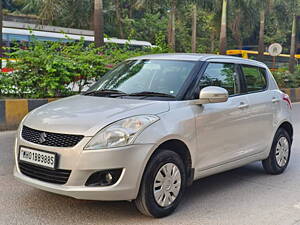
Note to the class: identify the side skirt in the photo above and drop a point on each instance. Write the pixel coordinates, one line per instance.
(228, 166)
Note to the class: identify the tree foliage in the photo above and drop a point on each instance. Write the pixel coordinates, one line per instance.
(50, 69)
(143, 19)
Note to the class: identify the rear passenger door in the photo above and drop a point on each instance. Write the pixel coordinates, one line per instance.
(260, 107)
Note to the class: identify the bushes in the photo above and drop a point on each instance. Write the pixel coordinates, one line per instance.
(48, 69)
(287, 80)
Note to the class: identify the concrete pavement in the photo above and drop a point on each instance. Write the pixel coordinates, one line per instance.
(242, 196)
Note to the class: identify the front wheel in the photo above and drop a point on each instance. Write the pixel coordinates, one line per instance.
(163, 185)
(279, 156)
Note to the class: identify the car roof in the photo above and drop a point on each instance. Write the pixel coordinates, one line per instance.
(198, 57)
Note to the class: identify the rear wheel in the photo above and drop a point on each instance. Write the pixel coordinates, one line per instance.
(279, 156)
(162, 185)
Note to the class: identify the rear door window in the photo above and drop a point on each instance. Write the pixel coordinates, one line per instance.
(255, 78)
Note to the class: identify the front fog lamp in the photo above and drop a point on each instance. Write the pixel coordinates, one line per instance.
(104, 178)
(120, 133)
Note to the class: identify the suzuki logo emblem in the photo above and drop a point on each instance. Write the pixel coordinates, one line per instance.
(42, 138)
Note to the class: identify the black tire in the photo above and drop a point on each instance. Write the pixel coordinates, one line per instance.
(270, 164)
(145, 201)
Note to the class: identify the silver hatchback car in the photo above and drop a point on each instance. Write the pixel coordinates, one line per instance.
(153, 125)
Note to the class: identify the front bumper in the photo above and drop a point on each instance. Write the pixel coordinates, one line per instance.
(82, 163)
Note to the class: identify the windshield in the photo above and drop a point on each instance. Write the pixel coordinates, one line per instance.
(146, 76)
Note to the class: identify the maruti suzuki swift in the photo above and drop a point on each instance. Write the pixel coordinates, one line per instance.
(154, 124)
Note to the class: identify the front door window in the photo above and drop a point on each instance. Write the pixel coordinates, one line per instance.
(222, 75)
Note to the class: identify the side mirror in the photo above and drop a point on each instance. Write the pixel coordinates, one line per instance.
(213, 94)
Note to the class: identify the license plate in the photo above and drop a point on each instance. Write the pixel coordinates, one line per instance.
(36, 157)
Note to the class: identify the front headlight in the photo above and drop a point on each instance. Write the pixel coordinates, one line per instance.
(120, 133)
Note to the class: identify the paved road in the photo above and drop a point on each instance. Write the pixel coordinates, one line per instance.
(241, 196)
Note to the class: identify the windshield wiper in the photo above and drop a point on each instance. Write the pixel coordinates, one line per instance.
(117, 93)
(106, 92)
(150, 94)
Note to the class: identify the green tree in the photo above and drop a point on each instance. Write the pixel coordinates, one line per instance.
(190, 25)
(239, 21)
(75, 13)
(119, 17)
(47, 10)
(29, 6)
(50, 9)
(212, 12)
(264, 6)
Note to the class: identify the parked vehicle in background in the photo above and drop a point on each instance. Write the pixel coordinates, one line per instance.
(25, 33)
(4, 68)
(280, 61)
(152, 126)
(21, 34)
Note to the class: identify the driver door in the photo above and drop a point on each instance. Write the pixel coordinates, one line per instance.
(222, 127)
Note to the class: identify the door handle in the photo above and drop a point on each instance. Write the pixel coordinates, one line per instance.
(243, 105)
(275, 100)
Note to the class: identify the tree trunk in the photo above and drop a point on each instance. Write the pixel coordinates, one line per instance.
(293, 46)
(92, 19)
(171, 28)
(130, 10)
(119, 18)
(223, 33)
(194, 28)
(1, 41)
(212, 42)
(261, 44)
(98, 23)
(91, 27)
(240, 44)
(235, 27)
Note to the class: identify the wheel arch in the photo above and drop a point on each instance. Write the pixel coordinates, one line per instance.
(182, 150)
(174, 145)
(288, 127)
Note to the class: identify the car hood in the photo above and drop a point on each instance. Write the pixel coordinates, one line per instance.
(86, 115)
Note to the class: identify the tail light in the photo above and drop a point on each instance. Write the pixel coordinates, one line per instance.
(285, 97)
